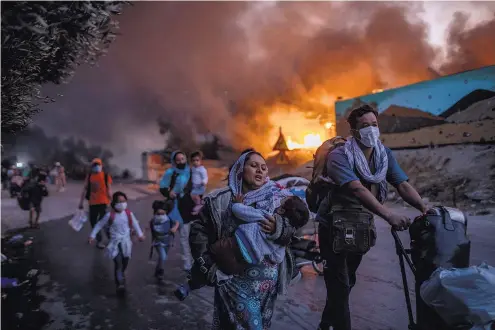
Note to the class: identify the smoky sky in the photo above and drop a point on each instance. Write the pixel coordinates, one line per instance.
(216, 67)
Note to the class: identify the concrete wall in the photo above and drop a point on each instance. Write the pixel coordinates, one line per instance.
(433, 96)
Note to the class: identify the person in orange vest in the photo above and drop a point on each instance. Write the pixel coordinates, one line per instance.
(97, 191)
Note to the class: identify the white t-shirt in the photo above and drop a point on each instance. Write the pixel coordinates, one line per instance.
(199, 176)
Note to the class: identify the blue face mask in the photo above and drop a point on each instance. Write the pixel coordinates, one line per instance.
(96, 168)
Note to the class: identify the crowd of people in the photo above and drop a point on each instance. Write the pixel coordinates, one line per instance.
(237, 238)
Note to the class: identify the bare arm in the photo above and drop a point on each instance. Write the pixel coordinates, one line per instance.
(411, 196)
(109, 191)
(175, 227)
(83, 194)
(368, 200)
(397, 221)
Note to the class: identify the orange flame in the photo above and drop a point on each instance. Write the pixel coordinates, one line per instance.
(310, 141)
(300, 132)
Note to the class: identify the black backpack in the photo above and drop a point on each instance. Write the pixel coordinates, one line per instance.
(88, 185)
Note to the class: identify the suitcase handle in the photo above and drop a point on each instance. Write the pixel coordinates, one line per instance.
(403, 254)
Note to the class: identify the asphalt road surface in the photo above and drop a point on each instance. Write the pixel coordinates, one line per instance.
(76, 291)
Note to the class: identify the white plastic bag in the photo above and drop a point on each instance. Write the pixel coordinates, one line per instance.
(462, 296)
(78, 220)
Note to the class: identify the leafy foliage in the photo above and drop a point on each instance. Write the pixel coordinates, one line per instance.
(44, 42)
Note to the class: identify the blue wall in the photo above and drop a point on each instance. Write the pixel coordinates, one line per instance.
(433, 96)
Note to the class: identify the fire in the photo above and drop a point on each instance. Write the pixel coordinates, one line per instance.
(299, 131)
(311, 141)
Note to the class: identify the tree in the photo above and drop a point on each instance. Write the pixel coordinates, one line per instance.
(44, 42)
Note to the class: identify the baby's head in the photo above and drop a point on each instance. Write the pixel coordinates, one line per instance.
(196, 158)
(295, 210)
(162, 207)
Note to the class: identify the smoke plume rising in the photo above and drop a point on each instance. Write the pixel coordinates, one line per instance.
(223, 67)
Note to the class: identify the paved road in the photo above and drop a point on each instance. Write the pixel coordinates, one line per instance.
(77, 288)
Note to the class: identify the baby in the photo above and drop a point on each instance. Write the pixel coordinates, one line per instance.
(199, 178)
(250, 245)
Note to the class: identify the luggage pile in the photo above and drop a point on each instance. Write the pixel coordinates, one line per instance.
(449, 293)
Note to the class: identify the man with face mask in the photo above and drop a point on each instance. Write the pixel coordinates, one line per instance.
(97, 190)
(359, 172)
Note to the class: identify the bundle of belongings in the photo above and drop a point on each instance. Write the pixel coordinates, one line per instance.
(463, 297)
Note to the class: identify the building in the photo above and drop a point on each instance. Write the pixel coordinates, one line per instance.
(439, 98)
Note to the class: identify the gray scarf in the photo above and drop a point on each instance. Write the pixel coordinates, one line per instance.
(380, 161)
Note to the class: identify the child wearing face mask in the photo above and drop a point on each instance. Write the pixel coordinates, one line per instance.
(162, 233)
(122, 224)
(199, 178)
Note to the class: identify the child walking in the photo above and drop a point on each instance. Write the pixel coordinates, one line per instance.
(162, 233)
(199, 178)
(122, 224)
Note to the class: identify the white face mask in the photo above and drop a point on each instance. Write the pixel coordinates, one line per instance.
(120, 207)
(161, 217)
(97, 168)
(369, 136)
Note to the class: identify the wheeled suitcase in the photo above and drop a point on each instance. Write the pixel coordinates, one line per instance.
(438, 239)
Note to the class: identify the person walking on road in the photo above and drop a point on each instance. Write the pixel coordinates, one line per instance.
(60, 178)
(122, 225)
(175, 183)
(360, 170)
(246, 301)
(36, 190)
(163, 230)
(97, 191)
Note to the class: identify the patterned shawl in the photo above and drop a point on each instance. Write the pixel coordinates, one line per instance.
(380, 161)
(267, 198)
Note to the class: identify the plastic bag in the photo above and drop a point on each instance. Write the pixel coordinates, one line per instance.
(78, 220)
(462, 296)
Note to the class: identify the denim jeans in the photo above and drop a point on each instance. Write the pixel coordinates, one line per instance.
(120, 265)
(187, 258)
(162, 257)
(340, 277)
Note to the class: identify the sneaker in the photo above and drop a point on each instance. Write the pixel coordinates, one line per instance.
(182, 292)
(159, 273)
(120, 289)
(101, 245)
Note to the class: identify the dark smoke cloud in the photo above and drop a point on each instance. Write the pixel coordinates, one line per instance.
(219, 67)
(470, 48)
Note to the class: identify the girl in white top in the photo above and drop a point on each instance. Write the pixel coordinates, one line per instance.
(121, 224)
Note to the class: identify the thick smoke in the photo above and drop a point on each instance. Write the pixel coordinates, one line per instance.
(222, 67)
(470, 48)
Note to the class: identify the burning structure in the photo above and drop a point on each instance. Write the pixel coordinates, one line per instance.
(282, 148)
